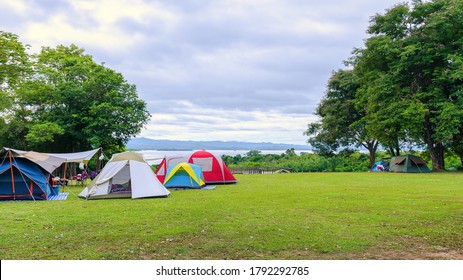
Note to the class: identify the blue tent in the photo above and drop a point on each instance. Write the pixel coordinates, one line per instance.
(184, 175)
(380, 166)
(22, 179)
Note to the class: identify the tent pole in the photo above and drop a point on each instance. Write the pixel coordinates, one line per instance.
(65, 165)
(32, 190)
(12, 175)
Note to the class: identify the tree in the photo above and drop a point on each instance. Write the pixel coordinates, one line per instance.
(342, 122)
(411, 72)
(14, 68)
(290, 153)
(60, 100)
(14, 65)
(373, 96)
(86, 105)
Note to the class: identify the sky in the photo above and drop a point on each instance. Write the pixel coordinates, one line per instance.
(227, 70)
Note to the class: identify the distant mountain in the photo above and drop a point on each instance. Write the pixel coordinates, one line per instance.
(151, 144)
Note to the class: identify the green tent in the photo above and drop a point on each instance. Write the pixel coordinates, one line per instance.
(408, 164)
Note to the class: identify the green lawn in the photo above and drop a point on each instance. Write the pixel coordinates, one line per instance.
(279, 216)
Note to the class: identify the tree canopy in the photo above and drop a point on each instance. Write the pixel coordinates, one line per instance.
(67, 102)
(341, 120)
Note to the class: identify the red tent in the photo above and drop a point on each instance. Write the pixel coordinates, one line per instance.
(214, 169)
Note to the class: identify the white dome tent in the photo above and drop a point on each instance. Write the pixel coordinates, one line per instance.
(125, 175)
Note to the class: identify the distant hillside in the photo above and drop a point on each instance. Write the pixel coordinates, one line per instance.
(151, 144)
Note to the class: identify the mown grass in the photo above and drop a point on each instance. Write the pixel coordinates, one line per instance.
(279, 216)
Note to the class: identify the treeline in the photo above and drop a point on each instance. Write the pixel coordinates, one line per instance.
(403, 89)
(344, 161)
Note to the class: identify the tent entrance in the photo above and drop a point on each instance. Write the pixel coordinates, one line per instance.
(120, 184)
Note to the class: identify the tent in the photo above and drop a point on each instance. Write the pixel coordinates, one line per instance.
(125, 175)
(408, 164)
(30, 172)
(214, 169)
(26, 175)
(184, 175)
(380, 166)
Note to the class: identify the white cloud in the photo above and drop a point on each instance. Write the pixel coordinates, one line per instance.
(17, 6)
(229, 125)
(108, 12)
(99, 24)
(57, 30)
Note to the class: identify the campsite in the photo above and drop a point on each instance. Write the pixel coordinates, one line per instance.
(264, 216)
(132, 210)
(375, 97)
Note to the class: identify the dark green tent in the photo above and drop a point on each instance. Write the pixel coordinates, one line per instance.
(408, 164)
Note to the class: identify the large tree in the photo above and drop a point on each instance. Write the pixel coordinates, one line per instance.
(412, 75)
(68, 102)
(15, 66)
(93, 104)
(342, 122)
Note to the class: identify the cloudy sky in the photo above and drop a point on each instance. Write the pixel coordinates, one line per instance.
(246, 70)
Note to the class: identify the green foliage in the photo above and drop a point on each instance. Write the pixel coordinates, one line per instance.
(337, 113)
(345, 161)
(14, 64)
(418, 44)
(341, 119)
(44, 132)
(67, 103)
(15, 67)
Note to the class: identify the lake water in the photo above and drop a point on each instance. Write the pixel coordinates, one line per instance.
(155, 156)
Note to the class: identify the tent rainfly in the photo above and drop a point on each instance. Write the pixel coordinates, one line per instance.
(214, 169)
(184, 175)
(26, 175)
(408, 164)
(125, 175)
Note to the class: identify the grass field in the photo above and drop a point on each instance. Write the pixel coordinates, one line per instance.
(278, 216)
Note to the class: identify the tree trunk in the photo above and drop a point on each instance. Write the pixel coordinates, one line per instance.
(436, 148)
(72, 169)
(372, 146)
(437, 156)
(391, 151)
(394, 151)
(372, 158)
